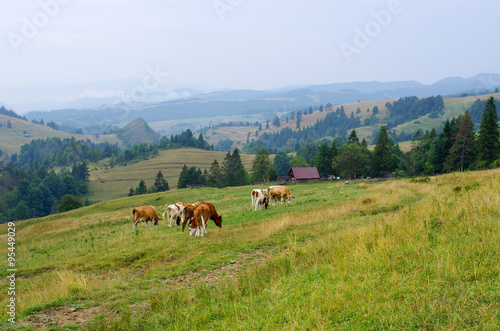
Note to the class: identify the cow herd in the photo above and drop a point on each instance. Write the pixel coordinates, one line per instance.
(262, 197)
(197, 215)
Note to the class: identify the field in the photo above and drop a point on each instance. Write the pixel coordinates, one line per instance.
(107, 184)
(12, 139)
(452, 108)
(391, 255)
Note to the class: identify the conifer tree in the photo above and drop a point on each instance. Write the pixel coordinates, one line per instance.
(353, 138)
(461, 154)
(160, 183)
(382, 154)
(261, 167)
(488, 141)
(214, 176)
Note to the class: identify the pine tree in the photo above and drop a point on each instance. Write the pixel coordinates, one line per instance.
(382, 154)
(214, 176)
(233, 171)
(488, 141)
(141, 188)
(323, 160)
(462, 152)
(353, 138)
(261, 166)
(160, 183)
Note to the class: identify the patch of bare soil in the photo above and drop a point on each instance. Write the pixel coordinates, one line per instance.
(214, 276)
(62, 316)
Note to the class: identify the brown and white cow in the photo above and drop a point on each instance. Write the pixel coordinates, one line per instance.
(259, 199)
(189, 212)
(279, 192)
(174, 212)
(198, 223)
(145, 214)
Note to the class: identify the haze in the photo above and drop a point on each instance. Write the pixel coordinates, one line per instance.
(242, 44)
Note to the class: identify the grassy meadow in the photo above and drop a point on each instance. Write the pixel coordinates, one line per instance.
(114, 183)
(12, 139)
(398, 254)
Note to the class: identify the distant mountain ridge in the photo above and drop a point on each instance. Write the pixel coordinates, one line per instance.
(196, 104)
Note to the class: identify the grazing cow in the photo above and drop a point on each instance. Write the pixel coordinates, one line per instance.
(174, 211)
(145, 214)
(198, 223)
(259, 199)
(189, 214)
(279, 192)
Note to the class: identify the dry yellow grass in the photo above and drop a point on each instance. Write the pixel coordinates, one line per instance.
(12, 139)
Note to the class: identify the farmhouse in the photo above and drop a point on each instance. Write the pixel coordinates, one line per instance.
(308, 174)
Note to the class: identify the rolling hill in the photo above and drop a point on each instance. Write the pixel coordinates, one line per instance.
(370, 255)
(453, 108)
(114, 183)
(22, 132)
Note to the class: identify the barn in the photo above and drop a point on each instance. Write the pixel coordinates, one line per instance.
(304, 174)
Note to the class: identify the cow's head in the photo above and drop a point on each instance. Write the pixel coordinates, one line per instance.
(157, 221)
(218, 221)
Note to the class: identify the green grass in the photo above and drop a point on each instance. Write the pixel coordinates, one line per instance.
(106, 184)
(379, 255)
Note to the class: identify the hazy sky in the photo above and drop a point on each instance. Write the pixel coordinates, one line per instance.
(252, 44)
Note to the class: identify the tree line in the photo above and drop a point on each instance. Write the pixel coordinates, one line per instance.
(455, 148)
(34, 191)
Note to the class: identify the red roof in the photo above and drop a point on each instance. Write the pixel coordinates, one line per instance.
(304, 173)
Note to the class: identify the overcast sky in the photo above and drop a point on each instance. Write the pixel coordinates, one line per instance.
(255, 44)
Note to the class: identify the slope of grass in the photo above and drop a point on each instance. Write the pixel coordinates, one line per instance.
(12, 139)
(389, 255)
(106, 184)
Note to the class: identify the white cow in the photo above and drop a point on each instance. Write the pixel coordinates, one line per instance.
(259, 198)
(174, 212)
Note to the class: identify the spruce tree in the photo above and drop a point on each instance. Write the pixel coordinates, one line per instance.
(488, 141)
(214, 176)
(160, 183)
(141, 189)
(382, 154)
(353, 138)
(261, 166)
(461, 155)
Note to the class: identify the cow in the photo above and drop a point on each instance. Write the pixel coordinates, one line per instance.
(198, 223)
(174, 211)
(190, 210)
(145, 214)
(259, 199)
(279, 192)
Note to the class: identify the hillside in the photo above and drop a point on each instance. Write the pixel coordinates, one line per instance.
(137, 131)
(453, 108)
(12, 139)
(114, 183)
(371, 255)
